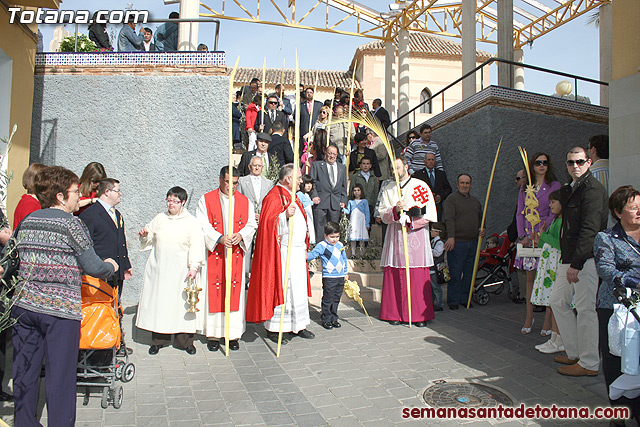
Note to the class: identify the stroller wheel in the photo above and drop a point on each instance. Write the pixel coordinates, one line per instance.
(118, 370)
(128, 373)
(105, 398)
(481, 296)
(117, 397)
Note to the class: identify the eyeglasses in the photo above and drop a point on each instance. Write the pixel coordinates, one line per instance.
(579, 162)
(541, 163)
(173, 202)
(114, 190)
(273, 102)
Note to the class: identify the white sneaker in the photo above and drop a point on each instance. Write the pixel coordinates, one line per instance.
(554, 348)
(545, 345)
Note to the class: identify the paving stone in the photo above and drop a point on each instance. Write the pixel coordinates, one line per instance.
(151, 421)
(277, 418)
(182, 414)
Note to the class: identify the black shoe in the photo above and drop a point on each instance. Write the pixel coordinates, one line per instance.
(519, 301)
(5, 397)
(327, 325)
(190, 349)
(420, 324)
(465, 306)
(213, 345)
(453, 307)
(437, 308)
(234, 345)
(336, 324)
(308, 335)
(394, 322)
(273, 336)
(154, 349)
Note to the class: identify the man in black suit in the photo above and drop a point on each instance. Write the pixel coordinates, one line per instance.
(271, 115)
(280, 146)
(106, 228)
(307, 120)
(380, 113)
(437, 181)
(262, 143)
(284, 105)
(329, 191)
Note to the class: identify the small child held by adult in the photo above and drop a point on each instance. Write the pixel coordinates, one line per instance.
(437, 249)
(549, 241)
(359, 219)
(334, 271)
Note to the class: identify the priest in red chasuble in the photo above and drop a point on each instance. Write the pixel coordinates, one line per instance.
(266, 288)
(212, 213)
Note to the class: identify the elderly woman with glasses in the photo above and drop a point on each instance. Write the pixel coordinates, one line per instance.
(617, 255)
(55, 248)
(176, 242)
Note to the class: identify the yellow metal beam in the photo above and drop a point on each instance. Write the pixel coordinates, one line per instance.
(425, 16)
(551, 20)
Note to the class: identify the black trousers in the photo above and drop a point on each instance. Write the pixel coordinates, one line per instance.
(181, 340)
(37, 336)
(611, 365)
(321, 217)
(332, 288)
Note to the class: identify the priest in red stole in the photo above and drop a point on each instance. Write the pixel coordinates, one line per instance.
(212, 213)
(266, 296)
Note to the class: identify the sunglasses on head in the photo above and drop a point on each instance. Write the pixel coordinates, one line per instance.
(578, 162)
(541, 163)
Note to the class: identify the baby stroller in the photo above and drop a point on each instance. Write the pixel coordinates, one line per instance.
(99, 365)
(494, 271)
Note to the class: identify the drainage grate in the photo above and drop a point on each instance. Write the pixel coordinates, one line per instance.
(464, 394)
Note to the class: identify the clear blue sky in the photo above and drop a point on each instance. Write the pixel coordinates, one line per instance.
(572, 48)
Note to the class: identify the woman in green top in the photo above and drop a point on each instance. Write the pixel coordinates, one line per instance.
(546, 274)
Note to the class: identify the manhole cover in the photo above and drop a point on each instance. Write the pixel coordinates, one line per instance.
(462, 394)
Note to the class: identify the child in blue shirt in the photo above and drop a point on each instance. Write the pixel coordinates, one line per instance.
(334, 271)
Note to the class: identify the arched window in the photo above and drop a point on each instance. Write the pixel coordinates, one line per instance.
(424, 95)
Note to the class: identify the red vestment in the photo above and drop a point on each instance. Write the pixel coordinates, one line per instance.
(265, 288)
(216, 260)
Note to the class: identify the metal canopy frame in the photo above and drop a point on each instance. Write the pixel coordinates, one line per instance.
(532, 18)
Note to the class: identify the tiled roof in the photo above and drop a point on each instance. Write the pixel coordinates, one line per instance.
(326, 78)
(427, 44)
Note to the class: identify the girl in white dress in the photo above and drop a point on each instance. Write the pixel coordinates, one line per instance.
(358, 209)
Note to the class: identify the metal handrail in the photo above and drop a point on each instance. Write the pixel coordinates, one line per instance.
(481, 68)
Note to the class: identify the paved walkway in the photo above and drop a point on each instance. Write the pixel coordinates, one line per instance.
(360, 374)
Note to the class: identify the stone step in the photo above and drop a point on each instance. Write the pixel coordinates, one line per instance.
(370, 287)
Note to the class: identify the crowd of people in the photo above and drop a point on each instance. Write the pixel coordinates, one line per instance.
(426, 224)
(164, 39)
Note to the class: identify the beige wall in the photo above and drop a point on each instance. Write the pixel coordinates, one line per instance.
(624, 109)
(425, 72)
(626, 38)
(19, 44)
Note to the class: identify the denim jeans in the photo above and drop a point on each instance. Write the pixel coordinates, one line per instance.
(461, 260)
(436, 288)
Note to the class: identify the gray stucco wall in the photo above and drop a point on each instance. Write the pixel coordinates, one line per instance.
(149, 132)
(469, 145)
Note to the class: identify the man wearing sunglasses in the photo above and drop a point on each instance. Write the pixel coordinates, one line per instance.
(271, 115)
(584, 214)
